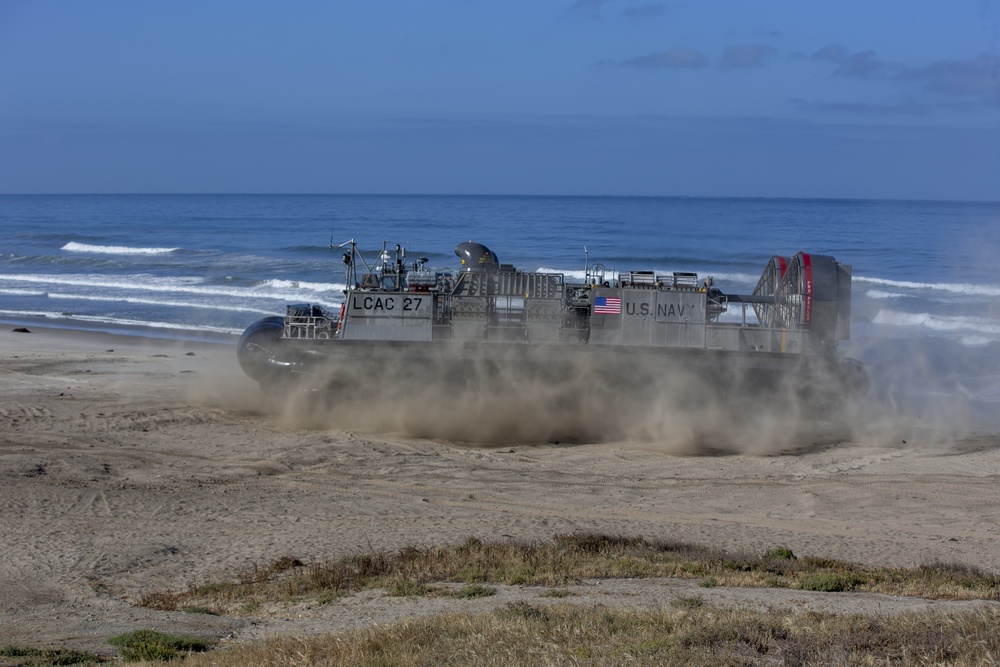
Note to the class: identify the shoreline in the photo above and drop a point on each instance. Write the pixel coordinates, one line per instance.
(111, 329)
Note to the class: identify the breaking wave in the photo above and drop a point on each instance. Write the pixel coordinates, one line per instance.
(73, 246)
(209, 305)
(275, 289)
(883, 295)
(123, 323)
(287, 285)
(955, 288)
(939, 323)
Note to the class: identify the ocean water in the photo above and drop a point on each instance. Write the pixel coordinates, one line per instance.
(926, 307)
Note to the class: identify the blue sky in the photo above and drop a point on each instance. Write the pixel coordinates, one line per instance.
(876, 99)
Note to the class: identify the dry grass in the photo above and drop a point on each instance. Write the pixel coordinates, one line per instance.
(566, 560)
(525, 634)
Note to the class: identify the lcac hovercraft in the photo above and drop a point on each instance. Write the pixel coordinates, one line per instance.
(403, 321)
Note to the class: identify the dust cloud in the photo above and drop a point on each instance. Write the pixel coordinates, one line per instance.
(926, 392)
(496, 396)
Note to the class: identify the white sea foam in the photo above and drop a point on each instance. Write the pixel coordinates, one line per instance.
(209, 305)
(883, 295)
(73, 246)
(272, 289)
(288, 285)
(28, 313)
(23, 292)
(974, 325)
(970, 289)
(121, 322)
(976, 341)
(576, 275)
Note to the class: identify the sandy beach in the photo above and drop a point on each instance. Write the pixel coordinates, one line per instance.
(131, 465)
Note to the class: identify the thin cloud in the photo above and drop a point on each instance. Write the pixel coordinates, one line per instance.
(977, 76)
(866, 109)
(861, 65)
(677, 58)
(831, 52)
(743, 56)
(974, 76)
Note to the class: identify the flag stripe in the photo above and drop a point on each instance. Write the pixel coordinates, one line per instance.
(606, 305)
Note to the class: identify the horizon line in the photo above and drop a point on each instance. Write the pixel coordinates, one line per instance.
(497, 195)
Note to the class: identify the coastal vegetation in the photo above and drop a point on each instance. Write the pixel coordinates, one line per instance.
(547, 626)
(524, 633)
(566, 560)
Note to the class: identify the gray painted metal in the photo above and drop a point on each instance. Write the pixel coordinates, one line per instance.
(800, 308)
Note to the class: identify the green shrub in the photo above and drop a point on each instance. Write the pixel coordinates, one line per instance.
(783, 553)
(476, 591)
(824, 582)
(152, 645)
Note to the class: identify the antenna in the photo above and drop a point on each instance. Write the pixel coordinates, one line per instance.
(348, 259)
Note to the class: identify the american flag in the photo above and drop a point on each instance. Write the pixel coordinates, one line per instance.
(606, 305)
